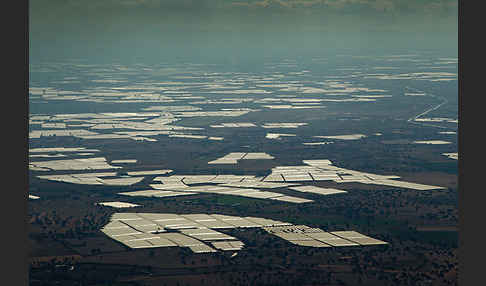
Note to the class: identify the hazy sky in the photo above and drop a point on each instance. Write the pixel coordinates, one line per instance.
(163, 30)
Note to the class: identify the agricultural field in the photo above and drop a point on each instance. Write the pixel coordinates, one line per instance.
(358, 162)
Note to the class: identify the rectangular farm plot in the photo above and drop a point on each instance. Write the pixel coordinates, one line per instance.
(211, 189)
(235, 155)
(164, 194)
(215, 224)
(196, 179)
(133, 223)
(290, 236)
(235, 221)
(170, 186)
(145, 241)
(179, 225)
(199, 232)
(297, 234)
(267, 222)
(261, 195)
(344, 137)
(331, 239)
(120, 231)
(126, 161)
(156, 193)
(160, 217)
(408, 185)
(318, 162)
(118, 204)
(202, 248)
(317, 190)
(258, 184)
(145, 193)
(148, 172)
(152, 228)
(141, 236)
(125, 216)
(224, 161)
(274, 178)
(358, 238)
(206, 234)
(161, 242)
(297, 177)
(198, 217)
(122, 181)
(284, 125)
(138, 244)
(181, 239)
(242, 223)
(96, 163)
(228, 245)
(236, 124)
(227, 178)
(253, 156)
(61, 149)
(310, 243)
(115, 224)
(232, 158)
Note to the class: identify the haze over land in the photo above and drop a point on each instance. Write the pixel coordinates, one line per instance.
(232, 32)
